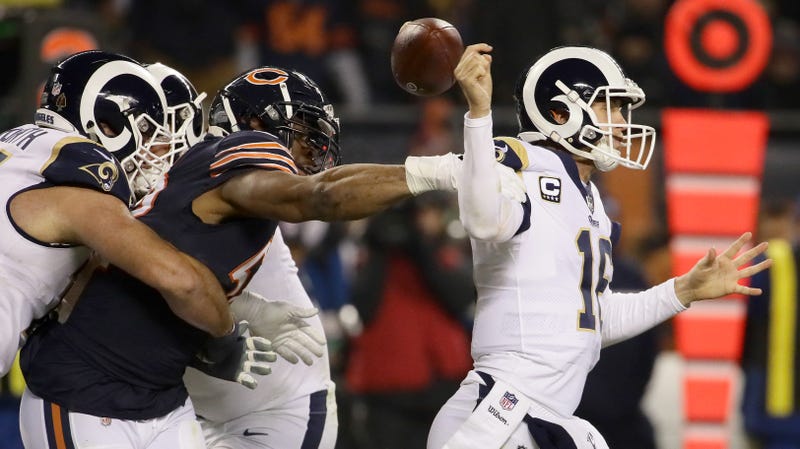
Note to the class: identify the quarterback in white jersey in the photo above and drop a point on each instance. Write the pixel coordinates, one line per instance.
(292, 408)
(63, 193)
(543, 267)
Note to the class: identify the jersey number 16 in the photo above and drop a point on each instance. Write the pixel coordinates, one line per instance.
(587, 318)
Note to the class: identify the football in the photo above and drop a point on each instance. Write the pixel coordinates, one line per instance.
(424, 54)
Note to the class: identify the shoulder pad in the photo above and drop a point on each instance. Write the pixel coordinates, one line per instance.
(511, 152)
(251, 149)
(78, 161)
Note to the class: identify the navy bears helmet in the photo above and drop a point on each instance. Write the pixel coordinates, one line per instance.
(569, 80)
(286, 103)
(111, 99)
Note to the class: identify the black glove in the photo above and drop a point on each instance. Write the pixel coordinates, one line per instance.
(236, 357)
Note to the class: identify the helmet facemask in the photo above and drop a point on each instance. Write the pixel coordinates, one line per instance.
(316, 128)
(182, 120)
(153, 156)
(632, 145)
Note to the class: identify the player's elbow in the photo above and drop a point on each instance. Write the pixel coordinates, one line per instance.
(182, 284)
(483, 229)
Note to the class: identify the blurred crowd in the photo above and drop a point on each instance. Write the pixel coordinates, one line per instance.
(345, 44)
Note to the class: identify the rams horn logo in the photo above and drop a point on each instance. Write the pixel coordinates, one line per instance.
(500, 150)
(280, 78)
(105, 173)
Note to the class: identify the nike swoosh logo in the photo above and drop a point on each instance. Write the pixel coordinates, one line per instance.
(248, 433)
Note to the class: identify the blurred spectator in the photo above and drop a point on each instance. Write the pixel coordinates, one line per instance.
(315, 37)
(520, 32)
(197, 38)
(623, 372)
(380, 20)
(771, 397)
(637, 29)
(435, 134)
(777, 219)
(413, 290)
(782, 74)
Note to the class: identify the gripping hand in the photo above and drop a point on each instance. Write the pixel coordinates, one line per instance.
(236, 357)
(283, 324)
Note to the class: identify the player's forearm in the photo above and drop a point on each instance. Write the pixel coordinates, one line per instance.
(197, 298)
(355, 191)
(190, 289)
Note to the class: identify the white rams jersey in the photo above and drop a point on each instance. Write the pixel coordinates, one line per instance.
(221, 401)
(33, 274)
(537, 323)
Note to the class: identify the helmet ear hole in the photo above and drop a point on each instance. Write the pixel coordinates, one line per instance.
(559, 115)
(107, 113)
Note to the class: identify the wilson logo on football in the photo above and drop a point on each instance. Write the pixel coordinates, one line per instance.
(254, 78)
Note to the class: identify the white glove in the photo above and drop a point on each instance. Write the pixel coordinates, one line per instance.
(283, 324)
(236, 357)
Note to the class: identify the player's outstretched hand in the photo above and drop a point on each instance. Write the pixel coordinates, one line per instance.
(284, 324)
(236, 357)
(715, 275)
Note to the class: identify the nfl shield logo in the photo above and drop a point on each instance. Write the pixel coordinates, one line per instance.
(508, 401)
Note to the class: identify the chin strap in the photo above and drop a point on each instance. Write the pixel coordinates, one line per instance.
(531, 136)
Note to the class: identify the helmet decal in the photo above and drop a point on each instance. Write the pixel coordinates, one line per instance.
(106, 174)
(252, 78)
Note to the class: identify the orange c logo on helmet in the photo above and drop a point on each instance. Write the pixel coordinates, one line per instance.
(280, 77)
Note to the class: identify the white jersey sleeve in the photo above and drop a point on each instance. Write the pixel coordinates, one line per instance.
(485, 213)
(626, 315)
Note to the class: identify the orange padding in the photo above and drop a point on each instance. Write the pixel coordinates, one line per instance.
(709, 336)
(711, 212)
(693, 442)
(707, 397)
(712, 141)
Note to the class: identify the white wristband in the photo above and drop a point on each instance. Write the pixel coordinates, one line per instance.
(426, 173)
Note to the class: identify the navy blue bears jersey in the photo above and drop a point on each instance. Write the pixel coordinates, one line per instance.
(122, 353)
